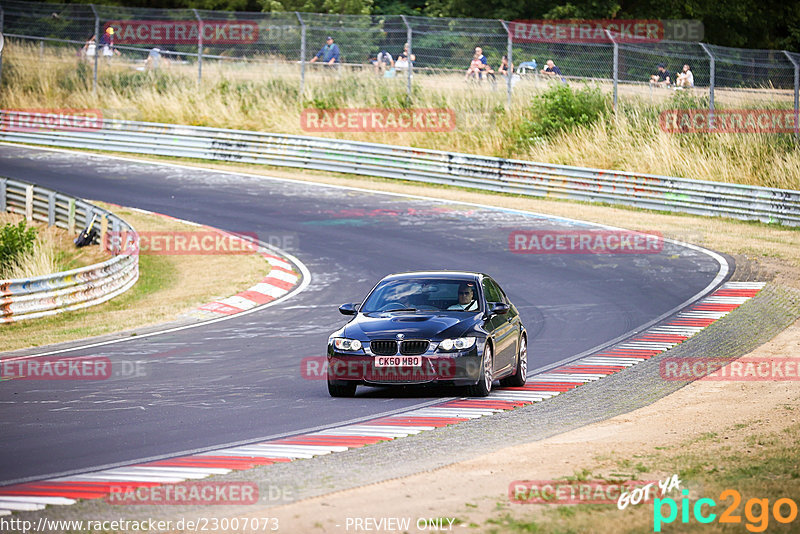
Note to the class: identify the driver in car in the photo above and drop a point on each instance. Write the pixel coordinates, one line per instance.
(466, 299)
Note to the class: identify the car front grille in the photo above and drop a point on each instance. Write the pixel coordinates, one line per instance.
(413, 347)
(383, 347)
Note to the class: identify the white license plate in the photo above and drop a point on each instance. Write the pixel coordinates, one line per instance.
(398, 361)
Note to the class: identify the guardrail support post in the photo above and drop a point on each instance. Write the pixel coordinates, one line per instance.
(96, 47)
(199, 47)
(712, 68)
(3, 189)
(71, 216)
(302, 54)
(510, 62)
(29, 203)
(616, 67)
(103, 228)
(796, 94)
(410, 63)
(51, 208)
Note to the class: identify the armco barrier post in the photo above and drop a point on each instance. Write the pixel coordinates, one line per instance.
(510, 70)
(302, 54)
(796, 93)
(29, 203)
(410, 63)
(51, 208)
(712, 69)
(96, 46)
(199, 47)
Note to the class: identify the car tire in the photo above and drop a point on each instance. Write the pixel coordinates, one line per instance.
(484, 385)
(519, 378)
(348, 389)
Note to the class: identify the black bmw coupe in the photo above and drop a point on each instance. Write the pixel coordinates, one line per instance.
(455, 328)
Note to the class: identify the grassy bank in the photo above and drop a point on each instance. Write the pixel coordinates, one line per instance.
(264, 97)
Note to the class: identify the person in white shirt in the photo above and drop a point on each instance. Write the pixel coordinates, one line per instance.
(685, 78)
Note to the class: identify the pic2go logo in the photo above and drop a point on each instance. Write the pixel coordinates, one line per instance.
(758, 521)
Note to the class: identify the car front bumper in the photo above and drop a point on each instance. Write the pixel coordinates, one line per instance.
(452, 368)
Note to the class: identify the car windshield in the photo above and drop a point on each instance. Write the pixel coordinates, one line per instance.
(422, 295)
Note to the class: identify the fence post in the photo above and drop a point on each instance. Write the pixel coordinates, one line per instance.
(96, 47)
(616, 67)
(199, 47)
(1, 43)
(796, 94)
(713, 67)
(510, 69)
(302, 55)
(410, 63)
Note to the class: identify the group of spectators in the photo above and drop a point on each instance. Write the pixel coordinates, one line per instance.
(661, 78)
(384, 63)
(106, 44)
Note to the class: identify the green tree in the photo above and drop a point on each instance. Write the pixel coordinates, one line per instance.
(339, 7)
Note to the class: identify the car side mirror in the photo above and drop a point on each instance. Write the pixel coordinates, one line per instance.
(498, 308)
(347, 309)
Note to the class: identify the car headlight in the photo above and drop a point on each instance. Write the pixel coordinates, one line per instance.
(342, 343)
(459, 343)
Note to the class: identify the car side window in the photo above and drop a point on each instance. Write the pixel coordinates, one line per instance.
(501, 292)
(491, 291)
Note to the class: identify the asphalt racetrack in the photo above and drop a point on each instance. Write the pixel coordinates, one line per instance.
(240, 380)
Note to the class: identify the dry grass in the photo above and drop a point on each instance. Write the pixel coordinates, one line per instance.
(168, 286)
(264, 97)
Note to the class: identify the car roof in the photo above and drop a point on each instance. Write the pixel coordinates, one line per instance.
(444, 275)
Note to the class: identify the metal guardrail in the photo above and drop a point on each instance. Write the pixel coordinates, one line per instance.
(648, 191)
(29, 298)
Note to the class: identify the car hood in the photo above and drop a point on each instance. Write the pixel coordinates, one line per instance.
(386, 325)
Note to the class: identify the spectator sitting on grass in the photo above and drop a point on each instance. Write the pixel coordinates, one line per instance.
(403, 59)
(382, 62)
(550, 69)
(505, 68)
(329, 54)
(685, 78)
(661, 76)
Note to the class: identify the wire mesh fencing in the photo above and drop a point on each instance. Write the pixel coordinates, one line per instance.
(297, 47)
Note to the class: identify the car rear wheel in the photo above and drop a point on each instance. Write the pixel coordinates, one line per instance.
(484, 385)
(521, 375)
(338, 389)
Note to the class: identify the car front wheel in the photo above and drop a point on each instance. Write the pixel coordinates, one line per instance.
(339, 389)
(484, 385)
